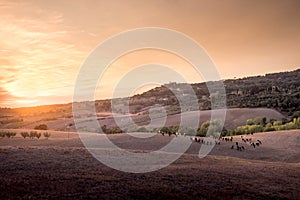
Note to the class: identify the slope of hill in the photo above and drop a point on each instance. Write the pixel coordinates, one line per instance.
(279, 91)
(62, 168)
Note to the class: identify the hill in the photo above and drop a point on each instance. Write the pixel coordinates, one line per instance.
(277, 91)
(62, 168)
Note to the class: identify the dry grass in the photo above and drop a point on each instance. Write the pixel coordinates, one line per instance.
(62, 168)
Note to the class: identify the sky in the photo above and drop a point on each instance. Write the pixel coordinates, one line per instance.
(43, 44)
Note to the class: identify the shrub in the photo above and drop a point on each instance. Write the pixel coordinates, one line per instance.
(249, 122)
(38, 135)
(8, 134)
(24, 134)
(277, 123)
(32, 134)
(296, 114)
(290, 126)
(260, 121)
(13, 134)
(41, 127)
(268, 129)
(297, 122)
(2, 134)
(47, 135)
(142, 129)
(187, 130)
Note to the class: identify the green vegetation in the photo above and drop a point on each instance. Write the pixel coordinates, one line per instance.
(47, 135)
(106, 130)
(24, 134)
(259, 124)
(214, 128)
(142, 129)
(32, 134)
(208, 128)
(8, 134)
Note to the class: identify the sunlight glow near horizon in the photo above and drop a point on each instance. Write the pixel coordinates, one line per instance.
(44, 43)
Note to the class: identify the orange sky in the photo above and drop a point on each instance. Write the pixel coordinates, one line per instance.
(43, 43)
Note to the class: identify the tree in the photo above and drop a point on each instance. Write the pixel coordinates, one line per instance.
(32, 134)
(260, 121)
(187, 130)
(249, 122)
(47, 135)
(41, 127)
(24, 134)
(210, 128)
(104, 128)
(38, 135)
(142, 129)
(203, 128)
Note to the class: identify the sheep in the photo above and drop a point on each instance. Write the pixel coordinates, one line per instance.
(259, 141)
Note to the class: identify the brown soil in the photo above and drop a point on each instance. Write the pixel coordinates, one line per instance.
(61, 168)
(234, 117)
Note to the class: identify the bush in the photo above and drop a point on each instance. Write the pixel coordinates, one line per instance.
(38, 135)
(260, 121)
(249, 122)
(277, 123)
(268, 129)
(41, 127)
(8, 134)
(24, 134)
(47, 135)
(187, 130)
(142, 129)
(297, 122)
(32, 134)
(296, 114)
(13, 134)
(2, 134)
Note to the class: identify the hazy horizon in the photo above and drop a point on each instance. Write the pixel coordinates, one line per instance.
(143, 90)
(44, 43)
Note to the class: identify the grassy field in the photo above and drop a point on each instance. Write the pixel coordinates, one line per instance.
(62, 168)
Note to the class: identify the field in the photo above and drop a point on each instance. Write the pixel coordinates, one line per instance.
(60, 167)
(234, 117)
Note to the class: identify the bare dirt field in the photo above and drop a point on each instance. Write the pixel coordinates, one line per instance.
(234, 117)
(61, 168)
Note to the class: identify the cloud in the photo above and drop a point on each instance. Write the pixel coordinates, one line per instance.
(43, 43)
(35, 56)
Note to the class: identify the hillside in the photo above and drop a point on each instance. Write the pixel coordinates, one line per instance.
(278, 91)
(62, 168)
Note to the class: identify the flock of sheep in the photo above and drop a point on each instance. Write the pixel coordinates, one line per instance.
(210, 141)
